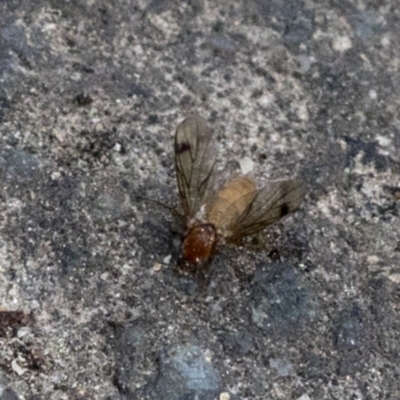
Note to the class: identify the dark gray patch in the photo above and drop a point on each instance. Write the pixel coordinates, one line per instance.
(4, 102)
(291, 18)
(137, 89)
(15, 37)
(9, 394)
(300, 28)
(316, 366)
(358, 145)
(237, 343)
(367, 24)
(350, 337)
(18, 166)
(222, 45)
(129, 343)
(280, 302)
(157, 240)
(185, 374)
(187, 284)
(72, 256)
(282, 366)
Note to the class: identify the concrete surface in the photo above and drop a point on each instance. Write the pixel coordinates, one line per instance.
(90, 95)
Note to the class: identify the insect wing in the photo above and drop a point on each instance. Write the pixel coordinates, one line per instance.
(195, 156)
(268, 205)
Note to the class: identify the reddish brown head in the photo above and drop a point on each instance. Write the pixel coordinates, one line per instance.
(199, 244)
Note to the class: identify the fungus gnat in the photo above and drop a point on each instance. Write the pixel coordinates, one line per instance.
(237, 210)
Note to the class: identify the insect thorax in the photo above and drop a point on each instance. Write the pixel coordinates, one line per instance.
(199, 243)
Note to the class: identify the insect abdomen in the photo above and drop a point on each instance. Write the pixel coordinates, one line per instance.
(231, 202)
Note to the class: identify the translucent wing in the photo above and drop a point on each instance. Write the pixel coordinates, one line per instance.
(268, 205)
(195, 156)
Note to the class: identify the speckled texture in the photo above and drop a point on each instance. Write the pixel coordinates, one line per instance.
(90, 95)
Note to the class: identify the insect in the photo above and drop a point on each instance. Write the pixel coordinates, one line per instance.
(237, 210)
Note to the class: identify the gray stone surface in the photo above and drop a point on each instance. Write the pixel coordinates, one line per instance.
(90, 95)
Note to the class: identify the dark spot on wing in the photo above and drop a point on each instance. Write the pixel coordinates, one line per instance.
(284, 210)
(182, 147)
